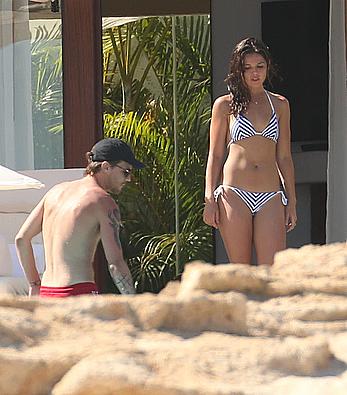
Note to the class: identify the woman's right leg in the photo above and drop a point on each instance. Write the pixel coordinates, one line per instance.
(235, 226)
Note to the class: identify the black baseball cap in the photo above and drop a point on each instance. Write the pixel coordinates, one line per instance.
(113, 150)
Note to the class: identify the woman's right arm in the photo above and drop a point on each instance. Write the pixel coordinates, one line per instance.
(218, 131)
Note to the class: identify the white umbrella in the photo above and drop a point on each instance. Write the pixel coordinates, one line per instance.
(10, 179)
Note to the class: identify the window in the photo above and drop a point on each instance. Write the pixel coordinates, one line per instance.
(31, 77)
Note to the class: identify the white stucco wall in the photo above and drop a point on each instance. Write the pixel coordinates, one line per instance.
(337, 158)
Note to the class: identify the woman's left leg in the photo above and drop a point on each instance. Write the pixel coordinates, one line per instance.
(269, 231)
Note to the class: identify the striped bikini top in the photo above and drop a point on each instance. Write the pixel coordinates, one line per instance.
(242, 127)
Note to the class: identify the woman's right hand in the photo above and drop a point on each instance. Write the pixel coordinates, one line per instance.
(211, 214)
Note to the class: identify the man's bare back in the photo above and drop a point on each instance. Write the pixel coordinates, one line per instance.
(73, 217)
(71, 208)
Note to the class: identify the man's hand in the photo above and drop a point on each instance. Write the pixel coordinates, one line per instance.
(34, 290)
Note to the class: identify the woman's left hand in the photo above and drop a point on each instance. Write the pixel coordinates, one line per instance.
(291, 217)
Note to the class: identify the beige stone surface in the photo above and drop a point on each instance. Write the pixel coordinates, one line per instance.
(223, 330)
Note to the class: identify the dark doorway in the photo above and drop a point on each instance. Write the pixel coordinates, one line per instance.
(298, 35)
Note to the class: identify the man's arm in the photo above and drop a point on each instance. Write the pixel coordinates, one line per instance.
(31, 227)
(110, 223)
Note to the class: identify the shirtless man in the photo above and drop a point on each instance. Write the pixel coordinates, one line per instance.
(73, 217)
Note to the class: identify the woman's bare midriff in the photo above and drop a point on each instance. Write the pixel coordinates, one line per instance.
(251, 165)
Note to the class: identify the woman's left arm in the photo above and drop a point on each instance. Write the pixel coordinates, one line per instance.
(285, 162)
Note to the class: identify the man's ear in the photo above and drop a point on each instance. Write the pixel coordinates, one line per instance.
(105, 165)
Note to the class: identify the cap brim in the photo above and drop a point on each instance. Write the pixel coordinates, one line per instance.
(137, 164)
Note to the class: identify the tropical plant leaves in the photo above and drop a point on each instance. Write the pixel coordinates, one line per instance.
(148, 204)
(47, 97)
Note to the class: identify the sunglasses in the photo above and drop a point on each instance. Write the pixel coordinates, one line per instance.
(126, 172)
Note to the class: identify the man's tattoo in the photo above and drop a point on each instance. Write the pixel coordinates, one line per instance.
(124, 282)
(115, 222)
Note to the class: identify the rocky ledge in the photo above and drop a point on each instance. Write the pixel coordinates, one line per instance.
(226, 330)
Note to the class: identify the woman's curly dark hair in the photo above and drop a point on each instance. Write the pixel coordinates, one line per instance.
(235, 81)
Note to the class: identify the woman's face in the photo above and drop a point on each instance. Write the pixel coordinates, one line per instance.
(254, 70)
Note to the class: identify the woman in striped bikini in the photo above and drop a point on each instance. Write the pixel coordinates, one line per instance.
(250, 188)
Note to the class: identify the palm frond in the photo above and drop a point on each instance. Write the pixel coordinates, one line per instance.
(148, 204)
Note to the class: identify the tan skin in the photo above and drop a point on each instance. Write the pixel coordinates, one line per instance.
(254, 164)
(73, 217)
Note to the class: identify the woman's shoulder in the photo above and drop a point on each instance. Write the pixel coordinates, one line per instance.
(280, 102)
(222, 104)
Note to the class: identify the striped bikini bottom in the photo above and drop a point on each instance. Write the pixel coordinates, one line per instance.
(253, 200)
